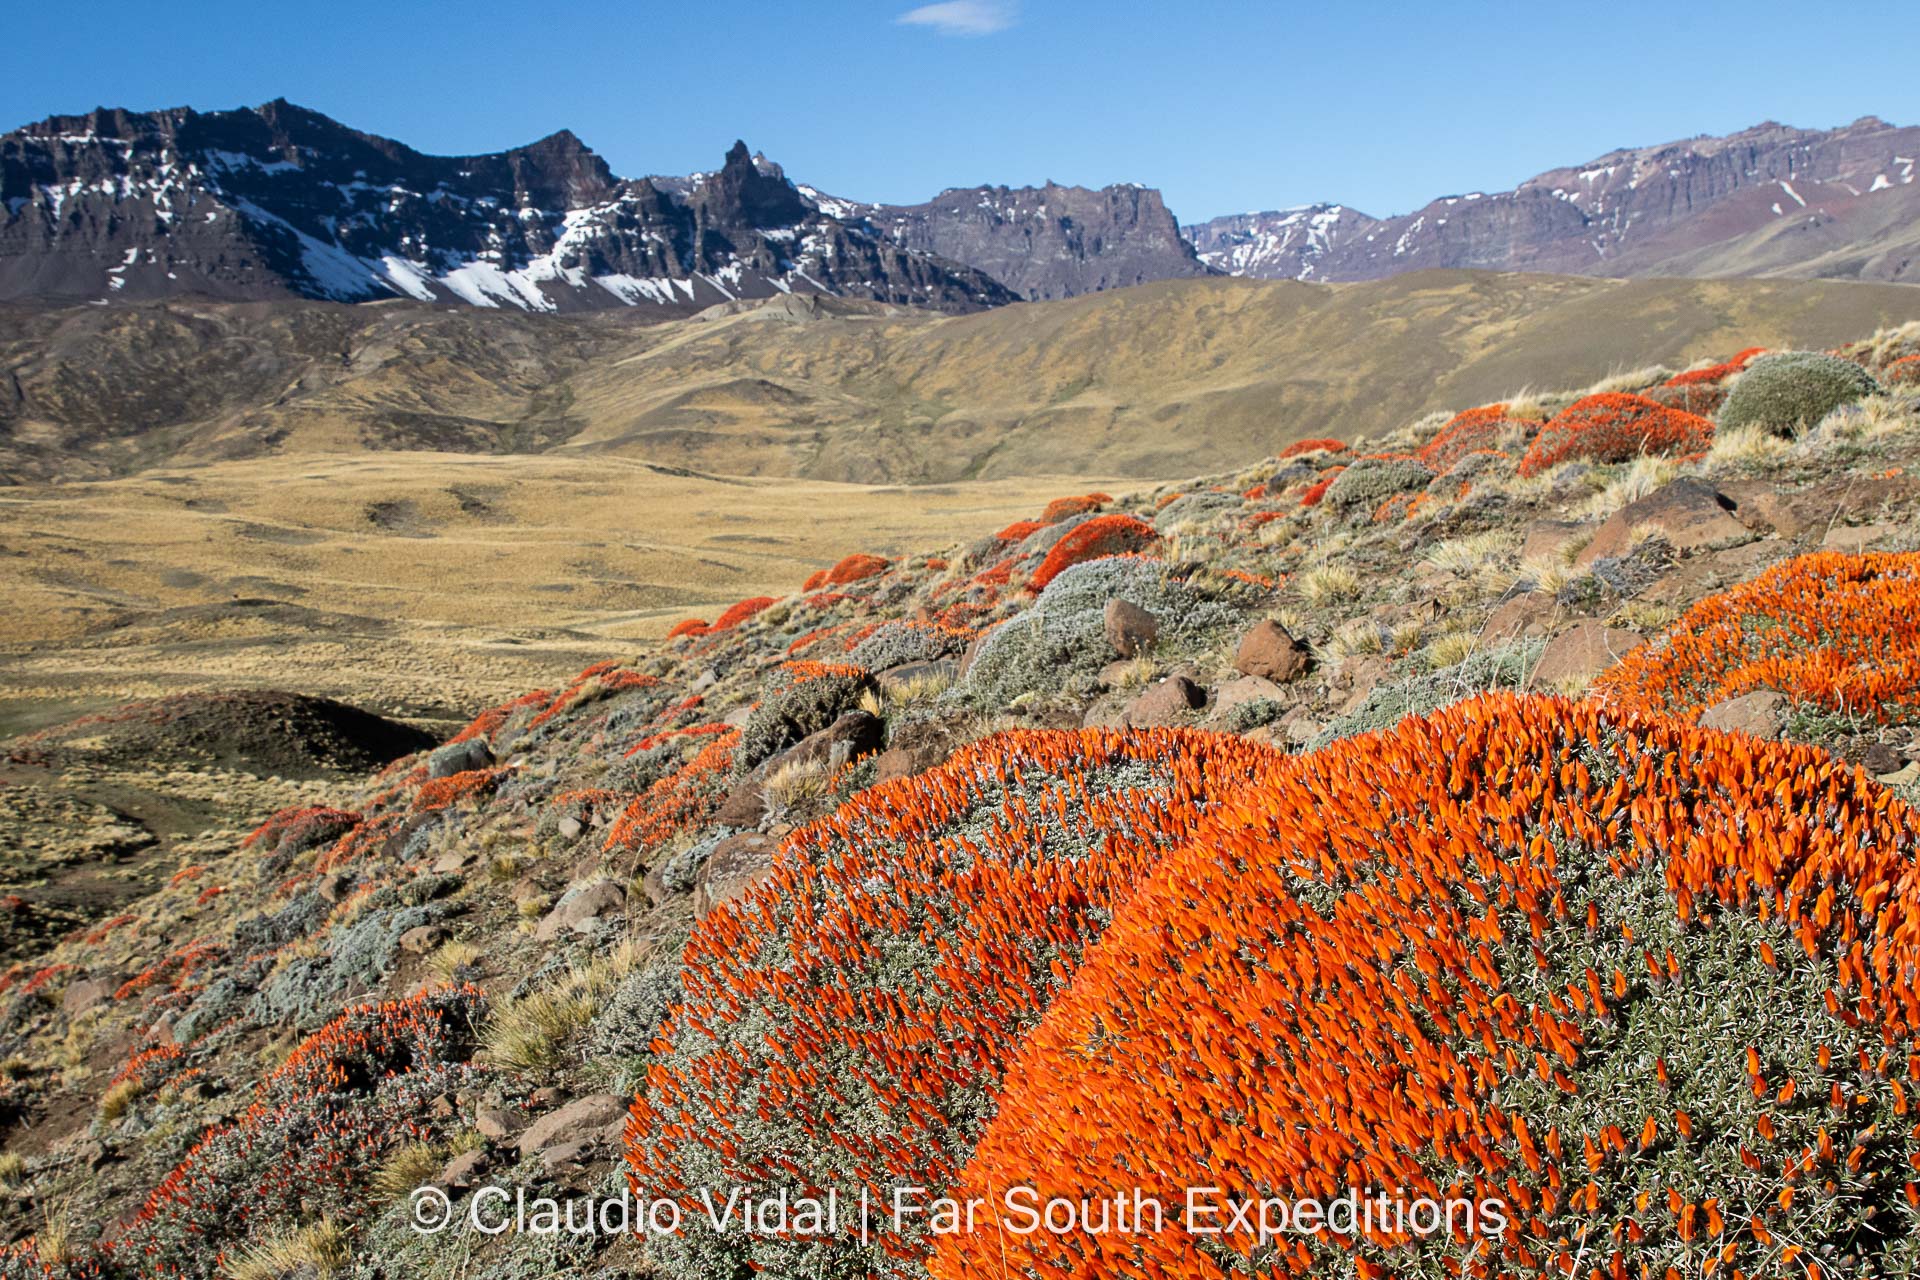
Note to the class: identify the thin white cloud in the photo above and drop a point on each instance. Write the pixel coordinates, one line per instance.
(962, 17)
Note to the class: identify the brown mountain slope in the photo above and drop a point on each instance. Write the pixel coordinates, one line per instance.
(1149, 382)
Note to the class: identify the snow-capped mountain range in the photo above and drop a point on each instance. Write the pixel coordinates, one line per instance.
(279, 201)
(282, 202)
(1770, 200)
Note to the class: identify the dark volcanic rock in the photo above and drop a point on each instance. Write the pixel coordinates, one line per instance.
(1048, 242)
(260, 731)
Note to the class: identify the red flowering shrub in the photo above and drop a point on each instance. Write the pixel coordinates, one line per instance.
(846, 1022)
(1325, 445)
(1471, 431)
(684, 798)
(292, 830)
(854, 568)
(1101, 536)
(443, 793)
(1615, 427)
(1642, 988)
(688, 627)
(1835, 630)
(488, 722)
(1019, 530)
(318, 1125)
(1715, 373)
(1318, 489)
(739, 613)
(1904, 372)
(1065, 508)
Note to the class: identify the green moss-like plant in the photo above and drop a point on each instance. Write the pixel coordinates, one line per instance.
(1793, 390)
(1370, 481)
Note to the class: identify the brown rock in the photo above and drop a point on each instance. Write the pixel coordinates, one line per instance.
(586, 1120)
(1860, 537)
(1881, 760)
(915, 749)
(1787, 514)
(1547, 539)
(735, 866)
(464, 1170)
(744, 806)
(87, 993)
(422, 938)
(1528, 614)
(1269, 652)
(1246, 689)
(1580, 653)
(1690, 512)
(576, 911)
(454, 860)
(1762, 713)
(854, 736)
(1129, 628)
(1165, 702)
(333, 886)
(496, 1122)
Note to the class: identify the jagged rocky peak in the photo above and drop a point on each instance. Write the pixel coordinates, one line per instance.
(1050, 241)
(751, 192)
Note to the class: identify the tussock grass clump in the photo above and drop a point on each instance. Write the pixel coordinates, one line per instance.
(531, 1033)
(1328, 584)
(319, 1251)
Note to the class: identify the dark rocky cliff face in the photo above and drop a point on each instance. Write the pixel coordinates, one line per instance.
(1047, 242)
(1767, 200)
(279, 201)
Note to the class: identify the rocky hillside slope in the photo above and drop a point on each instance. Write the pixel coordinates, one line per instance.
(1154, 382)
(1770, 200)
(1513, 807)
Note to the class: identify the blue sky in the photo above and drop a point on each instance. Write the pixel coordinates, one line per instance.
(1225, 107)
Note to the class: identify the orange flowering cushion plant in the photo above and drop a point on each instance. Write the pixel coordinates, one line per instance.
(845, 1024)
(1642, 990)
(1832, 629)
(1614, 427)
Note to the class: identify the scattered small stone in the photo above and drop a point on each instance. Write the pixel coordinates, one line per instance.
(584, 1120)
(1166, 701)
(1129, 628)
(577, 910)
(1268, 651)
(422, 938)
(1580, 653)
(1762, 713)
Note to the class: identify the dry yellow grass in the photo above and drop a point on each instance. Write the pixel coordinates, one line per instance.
(409, 579)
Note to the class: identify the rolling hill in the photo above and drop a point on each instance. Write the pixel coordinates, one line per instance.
(1147, 382)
